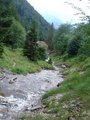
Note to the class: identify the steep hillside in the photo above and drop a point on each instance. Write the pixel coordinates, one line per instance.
(27, 13)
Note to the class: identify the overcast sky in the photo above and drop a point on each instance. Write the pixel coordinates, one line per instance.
(59, 9)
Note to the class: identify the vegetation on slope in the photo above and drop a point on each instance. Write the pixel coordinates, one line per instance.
(14, 61)
(26, 14)
(75, 90)
(72, 98)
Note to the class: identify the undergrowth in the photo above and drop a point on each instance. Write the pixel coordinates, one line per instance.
(14, 61)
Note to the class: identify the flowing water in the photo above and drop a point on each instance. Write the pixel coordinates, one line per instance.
(23, 93)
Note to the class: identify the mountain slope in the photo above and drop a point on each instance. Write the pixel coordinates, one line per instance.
(27, 13)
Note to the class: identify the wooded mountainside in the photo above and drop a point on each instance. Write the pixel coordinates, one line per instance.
(26, 13)
(16, 17)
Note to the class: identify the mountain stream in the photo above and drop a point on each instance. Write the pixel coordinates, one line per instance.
(24, 92)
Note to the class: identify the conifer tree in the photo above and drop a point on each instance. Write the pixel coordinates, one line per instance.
(5, 21)
(30, 48)
(50, 36)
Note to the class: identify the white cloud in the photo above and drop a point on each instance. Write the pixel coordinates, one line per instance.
(59, 9)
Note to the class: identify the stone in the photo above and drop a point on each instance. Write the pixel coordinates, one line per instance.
(13, 80)
(71, 118)
(59, 84)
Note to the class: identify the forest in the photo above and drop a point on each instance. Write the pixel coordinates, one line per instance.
(27, 40)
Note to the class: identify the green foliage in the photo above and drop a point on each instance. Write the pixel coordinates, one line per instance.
(50, 36)
(61, 44)
(14, 61)
(85, 47)
(75, 87)
(6, 8)
(16, 35)
(26, 14)
(74, 41)
(72, 98)
(44, 65)
(30, 48)
(78, 74)
(61, 38)
(5, 21)
(37, 117)
(41, 52)
(74, 45)
(11, 31)
(84, 30)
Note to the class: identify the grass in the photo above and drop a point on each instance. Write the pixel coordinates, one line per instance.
(37, 117)
(14, 61)
(76, 87)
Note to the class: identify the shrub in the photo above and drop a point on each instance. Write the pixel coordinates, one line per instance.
(74, 45)
(41, 52)
(85, 47)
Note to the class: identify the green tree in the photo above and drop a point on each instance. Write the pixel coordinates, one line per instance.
(84, 30)
(85, 47)
(5, 21)
(41, 52)
(74, 45)
(30, 48)
(61, 38)
(41, 36)
(50, 36)
(16, 35)
(27, 13)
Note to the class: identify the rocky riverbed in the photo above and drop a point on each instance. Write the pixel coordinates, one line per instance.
(22, 93)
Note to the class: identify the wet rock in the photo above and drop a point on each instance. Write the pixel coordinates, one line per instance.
(65, 106)
(47, 81)
(71, 118)
(35, 108)
(1, 115)
(64, 66)
(59, 84)
(1, 78)
(13, 80)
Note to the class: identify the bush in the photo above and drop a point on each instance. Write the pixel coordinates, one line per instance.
(74, 45)
(63, 34)
(85, 47)
(41, 53)
(65, 57)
